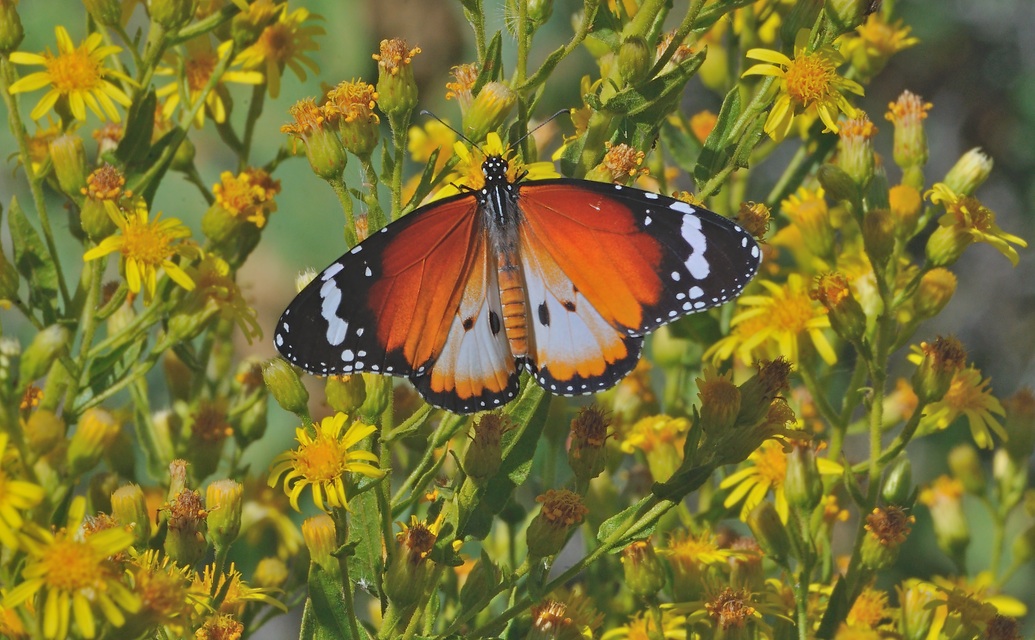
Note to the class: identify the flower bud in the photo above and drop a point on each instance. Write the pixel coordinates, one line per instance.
(43, 431)
(768, 529)
(898, 482)
(966, 467)
(946, 244)
(910, 140)
(634, 60)
(720, 401)
(855, 156)
(1020, 424)
(944, 498)
(378, 393)
(352, 104)
(322, 147)
(346, 394)
(969, 172)
(410, 569)
(286, 387)
(172, 14)
(802, 484)
(878, 231)
(941, 360)
(11, 31)
(489, 110)
(320, 537)
(223, 500)
(837, 183)
(562, 510)
(905, 204)
(251, 423)
(185, 539)
(396, 87)
(270, 573)
(69, 158)
(936, 288)
(44, 349)
(845, 313)
(129, 507)
(106, 12)
(754, 217)
(586, 453)
(846, 15)
(888, 528)
(94, 433)
(485, 453)
(483, 580)
(644, 574)
(539, 11)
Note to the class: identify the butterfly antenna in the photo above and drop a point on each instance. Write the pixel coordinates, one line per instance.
(425, 112)
(539, 126)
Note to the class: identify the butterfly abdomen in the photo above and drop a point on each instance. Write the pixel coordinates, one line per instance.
(512, 297)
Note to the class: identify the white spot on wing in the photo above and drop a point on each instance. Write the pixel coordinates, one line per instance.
(682, 207)
(696, 263)
(337, 327)
(696, 292)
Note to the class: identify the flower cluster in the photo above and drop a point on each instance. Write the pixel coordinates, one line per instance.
(751, 477)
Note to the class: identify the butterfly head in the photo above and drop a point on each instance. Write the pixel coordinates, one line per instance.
(495, 168)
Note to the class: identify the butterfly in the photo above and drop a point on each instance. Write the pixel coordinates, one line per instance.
(560, 277)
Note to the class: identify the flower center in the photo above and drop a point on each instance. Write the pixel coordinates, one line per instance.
(71, 566)
(809, 79)
(771, 464)
(277, 42)
(74, 71)
(792, 313)
(321, 461)
(146, 243)
(199, 69)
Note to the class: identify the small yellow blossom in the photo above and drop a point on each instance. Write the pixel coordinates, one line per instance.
(286, 42)
(969, 396)
(76, 74)
(971, 221)
(236, 592)
(644, 626)
(76, 576)
(248, 195)
(215, 285)
(16, 496)
(808, 84)
(323, 460)
(196, 67)
(772, 325)
(875, 41)
(145, 246)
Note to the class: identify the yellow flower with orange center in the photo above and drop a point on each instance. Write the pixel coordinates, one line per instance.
(76, 74)
(969, 396)
(775, 325)
(248, 195)
(285, 43)
(76, 576)
(322, 460)
(192, 72)
(971, 221)
(808, 84)
(236, 592)
(147, 245)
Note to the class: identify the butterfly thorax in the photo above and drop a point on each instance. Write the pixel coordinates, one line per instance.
(497, 202)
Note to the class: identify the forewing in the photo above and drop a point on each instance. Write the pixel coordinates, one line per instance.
(640, 259)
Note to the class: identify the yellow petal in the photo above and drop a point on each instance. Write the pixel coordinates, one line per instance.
(31, 82)
(768, 55)
(24, 57)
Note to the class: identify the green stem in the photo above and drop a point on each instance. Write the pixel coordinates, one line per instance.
(254, 111)
(342, 192)
(341, 522)
(14, 120)
(524, 40)
(375, 214)
(88, 322)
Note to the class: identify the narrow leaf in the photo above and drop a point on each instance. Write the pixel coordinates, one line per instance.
(34, 263)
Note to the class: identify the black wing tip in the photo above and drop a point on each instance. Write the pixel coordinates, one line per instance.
(451, 401)
(582, 386)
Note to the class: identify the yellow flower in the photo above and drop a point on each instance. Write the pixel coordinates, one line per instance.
(15, 496)
(248, 195)
(809, 84)
(661, 439)
(236, 592)
(284, 43)
(145, 246)
(766, 473)
(971, 221)
(76, 74)
(969, 396)
(771, 325)
(644, 626)
(468, 171)
(876, 40)
(322, 461)
(196, 67)
(74, 576)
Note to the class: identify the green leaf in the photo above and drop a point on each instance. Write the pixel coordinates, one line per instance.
(630, 513)
(492, 66)
(656, 98)
(681, 145)
(135, 145)
(717, 149)
(365, 536)
(529, 411)
(34, 263)
(326, 613)
(682, 483)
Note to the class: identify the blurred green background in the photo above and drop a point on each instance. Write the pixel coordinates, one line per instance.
(975, 62)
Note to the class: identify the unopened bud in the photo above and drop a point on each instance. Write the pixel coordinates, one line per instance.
(396, 87)
(855, 155)
(286, 387)
(172, 14)
(320, 537)
(94, 433)
(634, 60)
(11, 31)
(769, 531)
(44, 349)
(802, 483)
(942, 359)
(562, 510)
(488, 110)
(969, 172)
(878, 231)
(844, 311)
(129, 507)
(223, 500)
(905, 203)
(898, 482)
(936, 288)
(644, 574)
(69, 158)
(106, 12)
(485, 453)
(586, 453)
